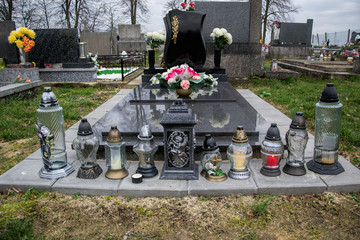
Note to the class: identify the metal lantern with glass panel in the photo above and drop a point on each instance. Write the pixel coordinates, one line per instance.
(210, 160)
(51, 133)
(179, 143)
(145, 148)
(115, 155)
(327, 132)
(272, 149)
(296, 140)
(86, 146)
(239, 154)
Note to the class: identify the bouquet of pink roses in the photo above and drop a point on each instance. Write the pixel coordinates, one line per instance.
(183, 77)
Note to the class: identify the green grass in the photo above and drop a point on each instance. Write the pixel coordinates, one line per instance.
(293, 95)
(114, 71)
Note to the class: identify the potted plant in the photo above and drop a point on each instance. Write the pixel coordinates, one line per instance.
(220, 37)
(23, 40)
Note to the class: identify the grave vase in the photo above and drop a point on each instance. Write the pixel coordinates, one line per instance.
(217, 58)
(183, 93)
(151, 58)
(23, 56)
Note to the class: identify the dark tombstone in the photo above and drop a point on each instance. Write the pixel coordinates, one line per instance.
(55, 46)
(296, 34)
(354, 35)
(184, 40)
(7, 51)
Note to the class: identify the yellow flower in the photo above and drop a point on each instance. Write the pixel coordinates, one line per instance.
(14, 33)
(19, 44)
(23, 30)
(11, 39)
(31, 34)
(20, 34)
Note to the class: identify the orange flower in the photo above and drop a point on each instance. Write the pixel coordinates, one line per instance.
(27, 49)
(20, 79)
(27, 80)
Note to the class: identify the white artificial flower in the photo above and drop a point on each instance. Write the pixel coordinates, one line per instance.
(223, 30)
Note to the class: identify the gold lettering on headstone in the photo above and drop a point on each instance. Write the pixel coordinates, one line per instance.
(175, 28)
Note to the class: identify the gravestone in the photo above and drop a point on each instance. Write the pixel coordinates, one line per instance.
(184, 41)
(355, 36)
(55, 46)
(243, 20)
(102, 43)
(130, 39)
(7, 51)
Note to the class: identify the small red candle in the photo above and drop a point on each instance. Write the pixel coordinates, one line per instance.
(272, 161)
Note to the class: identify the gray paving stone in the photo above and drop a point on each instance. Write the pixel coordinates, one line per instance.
(286, 184)
(347, 181)
(25, 175)
(203, 187)
(152, 186)
(99, 186)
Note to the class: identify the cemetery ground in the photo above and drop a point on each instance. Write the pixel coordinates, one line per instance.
(50, 215)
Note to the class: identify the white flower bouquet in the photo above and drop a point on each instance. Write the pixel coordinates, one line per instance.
(155, 38)
(221, 37)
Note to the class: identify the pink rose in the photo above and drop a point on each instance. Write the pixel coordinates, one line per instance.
(185, 84)
(170, 75)
(191, 4)
(183, 5)
(192, 72)
(196, 77)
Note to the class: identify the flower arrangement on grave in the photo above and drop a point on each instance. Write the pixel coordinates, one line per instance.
(155, 39)
(18, 79)
(184, 77)
(275, 24)
(23, 38)
(188, 6)
(221, 37)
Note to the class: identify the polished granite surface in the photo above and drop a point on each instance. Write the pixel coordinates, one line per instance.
(218, 111)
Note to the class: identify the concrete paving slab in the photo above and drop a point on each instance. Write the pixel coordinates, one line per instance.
(203, 187)
(347, 181)
(99, 186)
(286, 184)
(151, 187)
(25, 175)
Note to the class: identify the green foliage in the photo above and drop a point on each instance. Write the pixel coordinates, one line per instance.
(32, 193)
(259, 206)
(18, 229)
(202, 198)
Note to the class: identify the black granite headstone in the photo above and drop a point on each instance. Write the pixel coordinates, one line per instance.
(55, 46)
(184, 40)
(7, 51)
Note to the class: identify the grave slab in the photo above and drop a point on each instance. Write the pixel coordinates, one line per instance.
(99, 186)
(203, 187)
(25, 175)
(152, 187)
(347, 181)
(286, 184)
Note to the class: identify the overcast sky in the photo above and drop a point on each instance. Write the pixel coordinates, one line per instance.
(329, 15)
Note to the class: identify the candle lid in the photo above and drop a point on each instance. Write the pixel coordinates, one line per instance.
(240, 135)
(298, 122)
(273, 133)
(209, 143)
(114, 135)
(145, 133)
(84, 128)
(48, 98)
(329, 94)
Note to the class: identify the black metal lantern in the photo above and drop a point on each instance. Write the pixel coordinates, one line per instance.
(271, 151)
(86, 146)
(327, 133)
(179, 143)
(296, 140)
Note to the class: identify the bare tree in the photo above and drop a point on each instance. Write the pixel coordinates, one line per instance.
(71, 10)
(276, 10)
(112, 15)
(135, 9)
(6, 9)
(46, 11)
(172, 4)
(27, 13)
(94, 16)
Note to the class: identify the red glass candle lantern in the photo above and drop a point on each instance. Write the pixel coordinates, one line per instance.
(272, 149)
